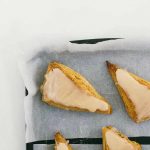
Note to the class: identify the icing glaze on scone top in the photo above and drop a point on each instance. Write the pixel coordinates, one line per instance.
(61, 89)
(61, 146)
(138, 93)
(115, 142)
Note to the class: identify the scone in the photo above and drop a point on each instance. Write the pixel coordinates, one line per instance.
(115, 140)
(64, 88)
(135, 92)
(61, 143)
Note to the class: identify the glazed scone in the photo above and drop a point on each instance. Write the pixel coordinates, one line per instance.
(64, 88)
(61, 143)
(135, 92)
(115, 140)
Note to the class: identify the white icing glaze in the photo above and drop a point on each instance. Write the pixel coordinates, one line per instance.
(138, 93)
(59, 88)
(61, 146)
(115, 142)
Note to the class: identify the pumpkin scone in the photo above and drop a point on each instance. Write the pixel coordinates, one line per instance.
(66, 89)
(134, 91)
(115, 140)
(61, 143)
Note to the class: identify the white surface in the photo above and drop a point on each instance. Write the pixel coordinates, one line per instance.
(25, 20)
(12, 124)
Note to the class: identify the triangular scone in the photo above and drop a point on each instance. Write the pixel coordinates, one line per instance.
(135, 92)
(67, 89)
(61, 143)
(115, 140)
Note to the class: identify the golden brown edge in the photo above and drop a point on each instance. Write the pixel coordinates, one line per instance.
(127, 101)
(59, 138)
(80, 81)
(105, 129)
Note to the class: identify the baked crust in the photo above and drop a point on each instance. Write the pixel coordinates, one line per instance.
(60, 139)
(80, 81)
(112, 68)
(105, 146)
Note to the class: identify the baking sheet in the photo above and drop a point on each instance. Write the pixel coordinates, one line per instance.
(74, 146)
(79, 147)
(42, 121)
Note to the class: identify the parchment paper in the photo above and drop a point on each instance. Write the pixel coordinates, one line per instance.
(42, 121)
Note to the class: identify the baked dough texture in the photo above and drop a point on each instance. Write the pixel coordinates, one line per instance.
(59, 139)
(80, 82)
(128, 102)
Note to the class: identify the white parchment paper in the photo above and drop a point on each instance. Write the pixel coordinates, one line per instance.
(42, 121)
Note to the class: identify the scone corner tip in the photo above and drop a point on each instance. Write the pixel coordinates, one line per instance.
(57, 133)
(110, 64)
(54, 63)
(107, 62)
